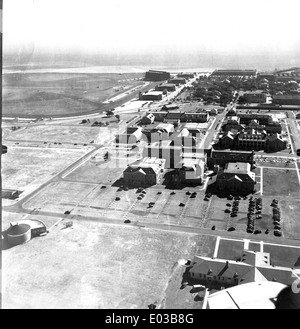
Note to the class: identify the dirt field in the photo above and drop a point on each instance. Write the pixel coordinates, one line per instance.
(27, 168)
(59, 93)
(65, 134)
(99, 266)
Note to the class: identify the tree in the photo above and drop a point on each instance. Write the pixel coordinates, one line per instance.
(109, 113)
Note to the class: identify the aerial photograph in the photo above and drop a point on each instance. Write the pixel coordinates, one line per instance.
(150, 156)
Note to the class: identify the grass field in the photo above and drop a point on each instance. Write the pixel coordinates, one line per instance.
(283, 256)
(230, 249)
(27, 168)
(61, 93)
(99, 266)
(278, 182)
(290, 211)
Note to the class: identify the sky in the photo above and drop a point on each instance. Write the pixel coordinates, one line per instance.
(143, 26)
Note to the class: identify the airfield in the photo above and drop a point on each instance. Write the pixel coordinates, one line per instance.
(101, 262)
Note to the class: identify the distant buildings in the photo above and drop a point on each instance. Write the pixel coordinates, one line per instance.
(146, 172)
(148, 119)
(153, 75)
(178, 81)
(151, 96)
(286, 99)
(222, 157)
(186, 75)
(170, 87)
(255, 97)
(166, 116)
(236, 177)
(234, 73)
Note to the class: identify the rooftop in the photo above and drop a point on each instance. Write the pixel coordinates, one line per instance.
(237, 168)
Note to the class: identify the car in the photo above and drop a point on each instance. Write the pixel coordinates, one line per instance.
(227, 210)
(144, 192)
(277, 233)
(119, 189)
(142, 195)
(103, 186)
(249, 231)
(277, 227)
(237, 198)
(206, 199)
(45, 142)
(117, 198)
(139, 197)
(231, 229)
(125, 188)
(172, 193)
(193, 196)
(67, 212)
(153, 203)
(228, 204)
(213, 228)
(245, 197)
(258, 216)
(159, 192)
(188, 193)
(267, 231)
(257, 231)
(230, 197)
(181, 204)
(127, 221)
(233, 214)
(195, 193)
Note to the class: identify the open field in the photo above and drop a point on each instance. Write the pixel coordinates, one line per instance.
(65, 134)
(283, 256)
(290, 210)
(99, 266)
(278, 182)
(98, 171)
(61, 93)
(230, 249)
(27, 168)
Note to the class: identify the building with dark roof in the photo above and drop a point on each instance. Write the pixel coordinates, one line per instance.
(170, 87)
(222, 157)
(153, 75)
(178, 81)
(236, 177)
(234, 73)
(251, 267)
(146, 172)
(286, 99)
(151, 96)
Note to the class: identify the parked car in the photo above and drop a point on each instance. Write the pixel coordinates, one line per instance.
(227, 211)
(257, 231)
(127, 221)
(213, 228)
(277, 233)
(117, 198)
(231, 229)
(267, 231)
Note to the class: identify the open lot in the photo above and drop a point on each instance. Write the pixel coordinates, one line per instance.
(279, 182)
(27, 168)
(100, 266)
(65, 134)
(290, 210)
(283, 255)
(61, 93)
